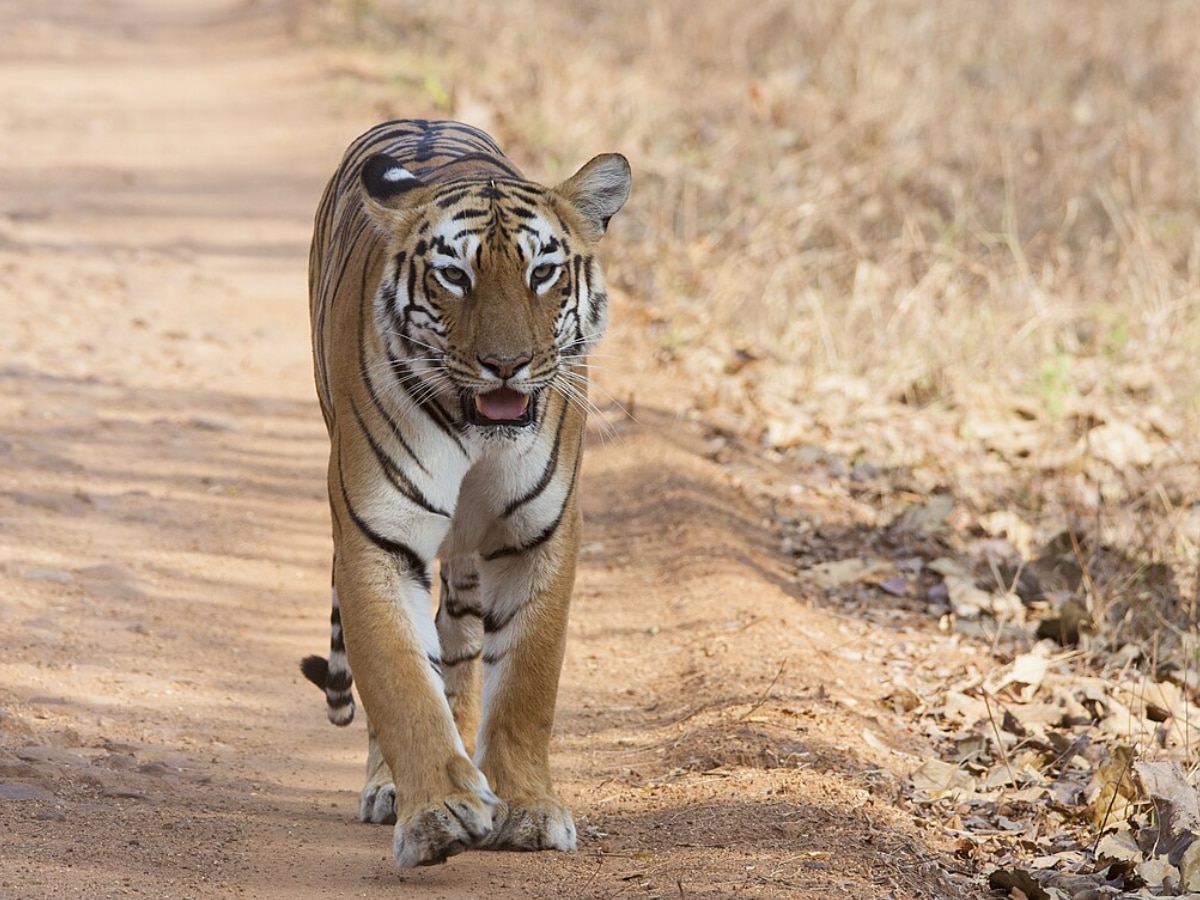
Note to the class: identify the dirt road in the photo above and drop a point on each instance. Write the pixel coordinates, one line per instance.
(164, 538)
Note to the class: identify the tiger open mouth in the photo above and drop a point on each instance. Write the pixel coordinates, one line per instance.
(503, 406)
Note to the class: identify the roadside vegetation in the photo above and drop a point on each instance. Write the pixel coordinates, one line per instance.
(935, 268)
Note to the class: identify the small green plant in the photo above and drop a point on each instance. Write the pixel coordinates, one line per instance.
(1117, 339)
(436, 93)
(1055, 383)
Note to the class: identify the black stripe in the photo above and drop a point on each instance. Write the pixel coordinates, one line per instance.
(365, 375)
(467, 583)
(599, 302)
(517, 550)
(326, 294)
(336, 641)
(547, 474)
(457, 609)
(599, 299)
(492, 159)
(411, 286)
(362, 229)
(569, 324)
(338, 681)
(525, 190)
(493, 623)
(317, 304)
(406, 378)
(459, 660)
(416, 566)
(547, 532)
(446, 200)
(570, 307)
(377, 402)
(499, 163)
(395, 475)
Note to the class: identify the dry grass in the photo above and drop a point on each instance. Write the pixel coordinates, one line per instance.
(902, 190)
(956, 237)
(901, 248)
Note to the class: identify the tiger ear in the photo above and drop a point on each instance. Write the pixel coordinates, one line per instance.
(598, 190)
(392, 195)
(384, 179)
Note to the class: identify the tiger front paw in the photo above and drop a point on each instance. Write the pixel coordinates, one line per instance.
(432, 833)
(535, 824)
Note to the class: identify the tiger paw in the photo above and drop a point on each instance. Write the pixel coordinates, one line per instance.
(535, 824)
(429, 834)
(377, 804)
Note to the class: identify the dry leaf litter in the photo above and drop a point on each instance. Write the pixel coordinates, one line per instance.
(1066, 751)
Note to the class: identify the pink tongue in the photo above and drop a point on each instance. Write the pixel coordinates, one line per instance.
(501, 404)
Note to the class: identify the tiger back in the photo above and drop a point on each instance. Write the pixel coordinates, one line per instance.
(454, 305)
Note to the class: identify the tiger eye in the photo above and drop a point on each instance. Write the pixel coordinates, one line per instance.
(542, 273)
(455, 276)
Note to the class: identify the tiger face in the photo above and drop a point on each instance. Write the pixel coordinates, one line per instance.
(491, 298)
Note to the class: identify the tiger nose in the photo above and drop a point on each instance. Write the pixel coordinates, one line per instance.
(503, 366)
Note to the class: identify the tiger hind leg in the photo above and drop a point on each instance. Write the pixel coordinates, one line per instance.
(333, 675)
(460, 634)
(377, 802)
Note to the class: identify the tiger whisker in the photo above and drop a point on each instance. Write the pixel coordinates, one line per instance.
(586, 382)
(573, 390)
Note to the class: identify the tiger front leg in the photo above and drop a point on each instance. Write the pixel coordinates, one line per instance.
(525, 628)
(443, 803)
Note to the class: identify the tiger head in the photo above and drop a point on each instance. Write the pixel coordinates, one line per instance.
(492, 294)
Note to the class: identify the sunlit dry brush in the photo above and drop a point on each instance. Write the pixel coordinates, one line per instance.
(958, 237)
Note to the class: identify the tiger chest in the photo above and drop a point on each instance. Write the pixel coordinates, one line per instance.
(509, 500)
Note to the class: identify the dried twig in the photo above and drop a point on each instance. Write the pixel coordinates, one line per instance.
(1012, 777)
(763, 697)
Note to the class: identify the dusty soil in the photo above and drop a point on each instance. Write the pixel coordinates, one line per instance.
(164, 540)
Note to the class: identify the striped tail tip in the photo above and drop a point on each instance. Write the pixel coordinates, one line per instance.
(336, 683)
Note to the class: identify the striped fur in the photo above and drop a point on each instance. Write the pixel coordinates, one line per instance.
(454, 305)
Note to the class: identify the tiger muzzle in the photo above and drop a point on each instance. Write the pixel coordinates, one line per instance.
(502, 406)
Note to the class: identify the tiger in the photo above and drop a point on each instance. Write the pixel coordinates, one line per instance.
(454, 305)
